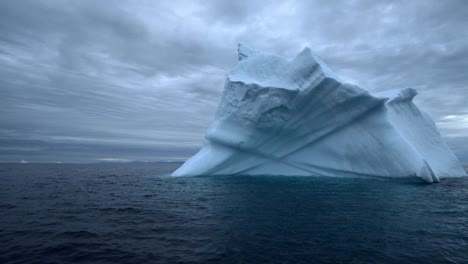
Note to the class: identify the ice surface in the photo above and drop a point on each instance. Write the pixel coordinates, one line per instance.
(296, 117)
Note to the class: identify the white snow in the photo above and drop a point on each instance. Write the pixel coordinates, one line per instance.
(296, 117)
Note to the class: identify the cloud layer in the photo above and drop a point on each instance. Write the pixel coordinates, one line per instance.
(84, 81)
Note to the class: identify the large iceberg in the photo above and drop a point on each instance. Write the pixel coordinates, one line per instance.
(296, 117)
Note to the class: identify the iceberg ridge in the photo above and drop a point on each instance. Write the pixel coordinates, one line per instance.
(296, 117)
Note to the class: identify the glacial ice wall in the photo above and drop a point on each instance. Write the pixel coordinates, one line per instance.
(296, 117)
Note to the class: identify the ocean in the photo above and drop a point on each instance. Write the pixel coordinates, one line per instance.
(135, 213)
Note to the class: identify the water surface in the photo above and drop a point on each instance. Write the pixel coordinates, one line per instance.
(129, 213)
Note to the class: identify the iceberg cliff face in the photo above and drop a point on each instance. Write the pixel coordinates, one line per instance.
(295, 117)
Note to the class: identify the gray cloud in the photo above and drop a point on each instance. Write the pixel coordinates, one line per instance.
(141, 80)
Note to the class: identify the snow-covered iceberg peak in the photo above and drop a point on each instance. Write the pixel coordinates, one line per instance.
(296, 117)
(268, 70)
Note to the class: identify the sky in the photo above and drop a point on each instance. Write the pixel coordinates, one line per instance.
(97, 81)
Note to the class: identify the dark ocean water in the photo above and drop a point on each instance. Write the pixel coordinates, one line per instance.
(129, 213)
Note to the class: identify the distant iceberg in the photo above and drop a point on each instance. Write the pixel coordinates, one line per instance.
(296, 117)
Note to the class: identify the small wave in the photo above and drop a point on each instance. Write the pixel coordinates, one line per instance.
(7, 206)
(78, 234)
(120, 210)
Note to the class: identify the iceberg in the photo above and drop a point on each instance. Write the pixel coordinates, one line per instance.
(296, 117)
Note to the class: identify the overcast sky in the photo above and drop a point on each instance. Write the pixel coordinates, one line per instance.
(87, 81)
